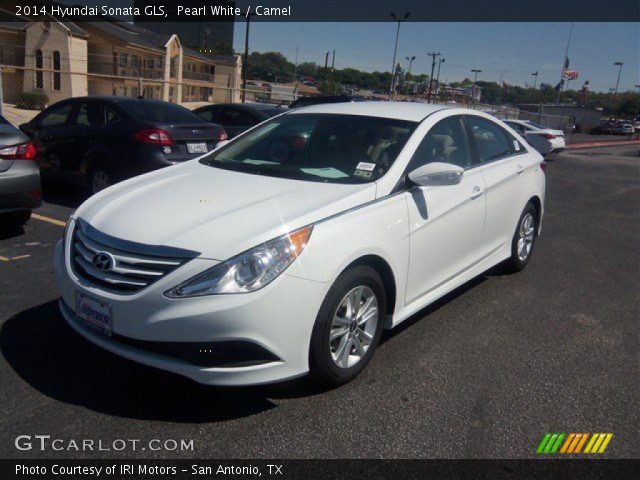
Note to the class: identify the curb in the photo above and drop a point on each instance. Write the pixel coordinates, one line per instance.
(603, 144)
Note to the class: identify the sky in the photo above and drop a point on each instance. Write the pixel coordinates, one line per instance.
(517, 48)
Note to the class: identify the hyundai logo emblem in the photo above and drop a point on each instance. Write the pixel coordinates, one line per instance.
(195, 131)
(103, 261)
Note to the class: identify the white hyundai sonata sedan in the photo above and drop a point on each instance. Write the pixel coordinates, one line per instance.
(289, 249)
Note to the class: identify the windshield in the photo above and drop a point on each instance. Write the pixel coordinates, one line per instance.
(317, 147)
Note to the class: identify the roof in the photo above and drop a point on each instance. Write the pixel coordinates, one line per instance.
(414, 112)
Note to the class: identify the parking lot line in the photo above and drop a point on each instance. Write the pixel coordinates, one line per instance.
(49, 219)
(3, 259)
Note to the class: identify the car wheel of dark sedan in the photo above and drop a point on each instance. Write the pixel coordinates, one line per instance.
(16, 218)
(99, 178)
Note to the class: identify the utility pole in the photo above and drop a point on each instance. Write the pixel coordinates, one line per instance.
(535, 79)
(326, 65)
(245, 63)
(475, 72)
(502, 74)
(395, 49)
(433, 56)
(440, 62)
(333, 63)
(295, 68)
(619, 65)
(565, 65)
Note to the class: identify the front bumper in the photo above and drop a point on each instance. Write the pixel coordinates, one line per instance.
(20, 187)
(279, 318)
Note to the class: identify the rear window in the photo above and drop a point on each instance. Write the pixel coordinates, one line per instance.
(160, 112)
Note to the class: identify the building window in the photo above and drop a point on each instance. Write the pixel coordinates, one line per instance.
(39, 73)
(56, 70)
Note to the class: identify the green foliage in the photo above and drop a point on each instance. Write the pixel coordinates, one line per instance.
(32, 100)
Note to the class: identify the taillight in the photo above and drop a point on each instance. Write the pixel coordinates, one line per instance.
(549, 136)
(155, 136)
(543, 167)
(24, 151)
(223, 135)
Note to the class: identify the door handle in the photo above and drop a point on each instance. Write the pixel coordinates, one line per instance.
(519, 169)
(476, 192)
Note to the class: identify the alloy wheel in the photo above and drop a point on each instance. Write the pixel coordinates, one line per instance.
(526, 233)
(353, 326)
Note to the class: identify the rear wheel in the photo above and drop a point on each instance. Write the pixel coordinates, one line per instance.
(16, 218)
(348, 326)
(99, 177)
(524, 240)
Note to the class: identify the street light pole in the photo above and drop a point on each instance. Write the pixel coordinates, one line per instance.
(535, 79)
(433, 56)
(411, 59)
(395, 49)
(619, 65)
(245, 63)
(473, 89)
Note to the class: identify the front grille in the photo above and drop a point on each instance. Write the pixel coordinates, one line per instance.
(129, 270)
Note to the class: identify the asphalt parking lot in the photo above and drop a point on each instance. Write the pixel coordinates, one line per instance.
(485, 372)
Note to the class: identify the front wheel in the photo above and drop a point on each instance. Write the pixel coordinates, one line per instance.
(348, 326)
(524, 240)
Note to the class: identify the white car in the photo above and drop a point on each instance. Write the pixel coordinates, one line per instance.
(289, 249)
(530, 129)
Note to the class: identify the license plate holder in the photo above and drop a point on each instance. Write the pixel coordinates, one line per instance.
(94, 313)
(197, 147)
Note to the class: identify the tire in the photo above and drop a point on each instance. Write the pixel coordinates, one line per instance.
(527, 232)
(16, 218)
(326, 363)
(99, 177)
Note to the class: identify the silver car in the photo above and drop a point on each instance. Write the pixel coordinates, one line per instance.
(20, 190)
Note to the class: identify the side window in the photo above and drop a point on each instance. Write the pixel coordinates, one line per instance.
(207, 115)
(517, 127)
(91, 114)
(111, 116)
(56, 117)
(445, 142)
(492, 142)
(235, 118)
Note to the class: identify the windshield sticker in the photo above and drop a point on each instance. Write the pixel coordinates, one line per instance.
(327, 172)
(367, 167)
(516, 144)
(363, 173)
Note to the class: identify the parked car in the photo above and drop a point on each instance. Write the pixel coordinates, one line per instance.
(529, 129)
(288, 251)
(19, 175)
(320, 99)
(604, 128)
(624, 129)
(235, 118)
(107, 139)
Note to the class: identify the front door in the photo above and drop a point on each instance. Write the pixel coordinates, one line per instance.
(445, 222)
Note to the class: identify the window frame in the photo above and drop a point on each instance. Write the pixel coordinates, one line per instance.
(56, 77)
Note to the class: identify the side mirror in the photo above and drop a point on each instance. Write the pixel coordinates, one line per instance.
(27, 128)
(437, 174)
(221, 143)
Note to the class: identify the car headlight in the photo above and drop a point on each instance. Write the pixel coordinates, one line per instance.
(248, 271)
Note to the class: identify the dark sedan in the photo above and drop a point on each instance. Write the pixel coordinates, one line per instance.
(238, 117)
(19, 175)
(108, 139)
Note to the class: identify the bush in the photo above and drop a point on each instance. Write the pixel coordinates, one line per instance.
(32, 100)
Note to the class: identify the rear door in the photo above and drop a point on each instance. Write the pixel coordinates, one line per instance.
(55, 137)
(445, 221)
(503, 161)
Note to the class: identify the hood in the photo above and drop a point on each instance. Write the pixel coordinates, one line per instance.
(216, 212)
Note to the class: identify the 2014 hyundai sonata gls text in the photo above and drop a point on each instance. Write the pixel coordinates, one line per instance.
(289, 249)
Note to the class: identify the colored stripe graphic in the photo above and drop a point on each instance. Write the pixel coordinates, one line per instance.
(573, 443)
